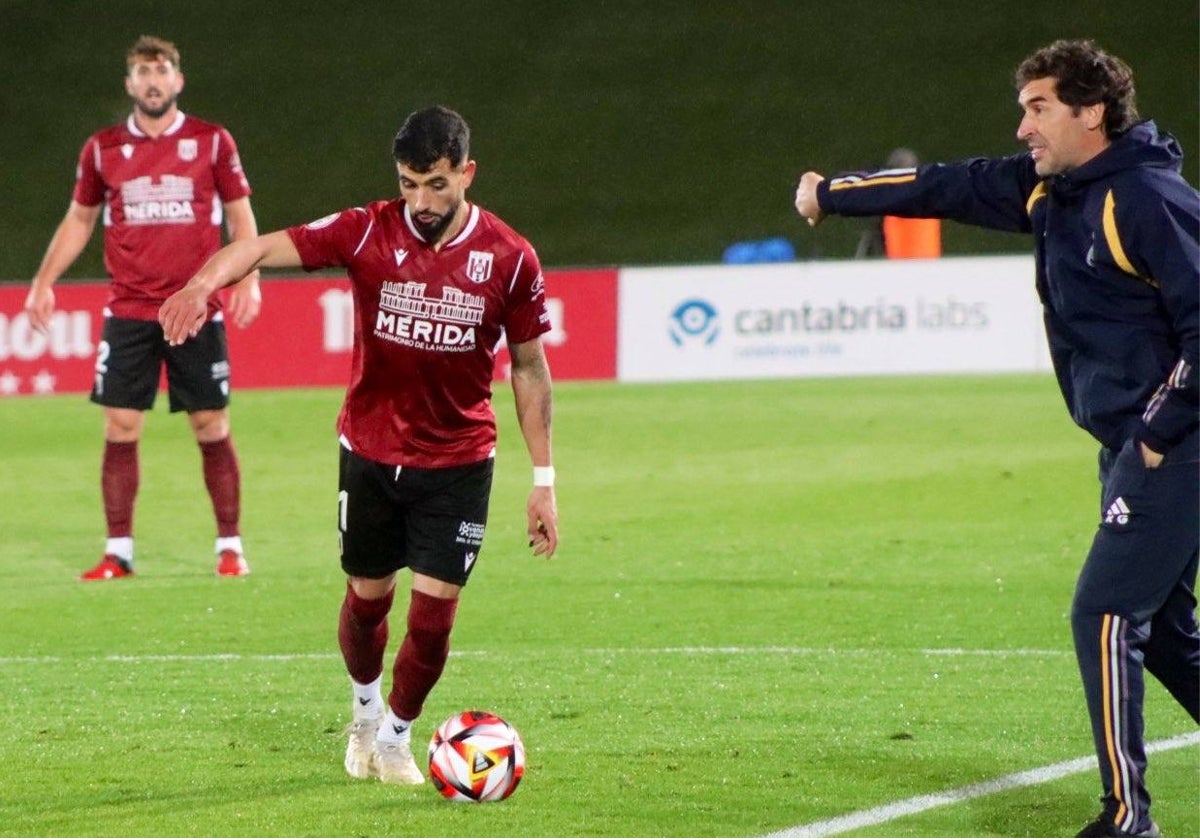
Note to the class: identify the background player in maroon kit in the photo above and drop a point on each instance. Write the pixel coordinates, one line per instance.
(436, 279)
(163, 180)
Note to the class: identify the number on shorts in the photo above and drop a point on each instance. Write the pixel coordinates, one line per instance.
(102, 352)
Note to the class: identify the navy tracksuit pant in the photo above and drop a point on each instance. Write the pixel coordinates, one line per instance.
(1134, 611)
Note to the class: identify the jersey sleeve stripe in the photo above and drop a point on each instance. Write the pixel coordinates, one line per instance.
(513, 284)
(1179, 374)
(878, 179)
(1113, 238)
(1038, 192)
(363, 241)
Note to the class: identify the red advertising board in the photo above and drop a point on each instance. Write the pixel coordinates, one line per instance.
(582, 342)
(301, 339)
(59, 361)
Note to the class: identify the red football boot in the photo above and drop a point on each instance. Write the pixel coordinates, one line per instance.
(110, 567)
(231, 564)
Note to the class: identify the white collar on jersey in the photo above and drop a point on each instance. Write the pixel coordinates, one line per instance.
(175, 126)
(472, 220)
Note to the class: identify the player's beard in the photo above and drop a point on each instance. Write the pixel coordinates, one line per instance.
(432, 231)
(154, 113)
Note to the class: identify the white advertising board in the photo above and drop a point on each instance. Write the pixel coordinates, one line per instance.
(955, 315)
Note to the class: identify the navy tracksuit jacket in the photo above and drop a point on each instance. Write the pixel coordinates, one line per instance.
(1118, 275)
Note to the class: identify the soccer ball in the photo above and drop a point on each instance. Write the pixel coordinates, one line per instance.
(476, 757)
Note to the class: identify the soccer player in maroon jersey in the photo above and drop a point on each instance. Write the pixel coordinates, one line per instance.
(162, 181)
(436, 280)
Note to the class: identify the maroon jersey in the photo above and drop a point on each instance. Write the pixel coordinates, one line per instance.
(426, 327)
(163, 201)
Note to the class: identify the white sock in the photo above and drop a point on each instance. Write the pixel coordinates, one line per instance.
(395, 730)
(368, 701)
(120, 546)
(228, 544)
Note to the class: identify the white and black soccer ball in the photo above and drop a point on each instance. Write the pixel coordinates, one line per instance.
(476, 757)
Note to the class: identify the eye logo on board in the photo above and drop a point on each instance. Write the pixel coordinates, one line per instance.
(694, 321)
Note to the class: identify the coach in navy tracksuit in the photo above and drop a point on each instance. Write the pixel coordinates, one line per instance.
(1116, 230)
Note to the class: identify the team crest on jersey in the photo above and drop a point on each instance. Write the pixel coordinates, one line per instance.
(188, 148)
(479, 266)
(127, 151)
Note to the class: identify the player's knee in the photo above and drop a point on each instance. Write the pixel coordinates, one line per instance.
(373, 589)
(430, 620)
(210, 426)
(122, 425)
(1088, 608)
(367, 610)
(1092, 603)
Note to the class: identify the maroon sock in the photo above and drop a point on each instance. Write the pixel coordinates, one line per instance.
(119, 476)
(224, 482)
(363, 634)
(422, 654)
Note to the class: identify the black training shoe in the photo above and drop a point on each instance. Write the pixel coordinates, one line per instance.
(1102, 826)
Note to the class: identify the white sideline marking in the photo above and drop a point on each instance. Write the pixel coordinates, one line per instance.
(918, 804)
(815, 651)
(168, 657)
(689, 651)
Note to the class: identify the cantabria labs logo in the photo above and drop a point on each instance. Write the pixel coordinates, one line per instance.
(694, 321)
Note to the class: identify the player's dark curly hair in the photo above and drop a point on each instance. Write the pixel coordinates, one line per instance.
(429, 135)
(1084, 74)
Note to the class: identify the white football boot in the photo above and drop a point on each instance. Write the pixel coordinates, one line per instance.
(360, 751)
(395, 765)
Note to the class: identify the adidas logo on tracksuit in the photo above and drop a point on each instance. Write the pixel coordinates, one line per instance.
(1118, 512)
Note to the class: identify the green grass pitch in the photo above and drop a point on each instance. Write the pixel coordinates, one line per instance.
(774, 603)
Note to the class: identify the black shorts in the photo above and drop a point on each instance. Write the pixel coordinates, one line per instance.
(429, 520)
(129, 365)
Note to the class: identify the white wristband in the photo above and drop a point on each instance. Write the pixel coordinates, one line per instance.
(543, 476)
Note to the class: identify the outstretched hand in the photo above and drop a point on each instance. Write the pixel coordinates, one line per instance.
(806, 198)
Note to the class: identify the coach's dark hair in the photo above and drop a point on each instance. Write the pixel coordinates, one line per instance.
(1084, 74)
(429, 135)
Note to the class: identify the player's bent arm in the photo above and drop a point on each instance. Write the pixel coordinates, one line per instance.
(237, 259)
(533, 393)
(68, 242)
(183, 313)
